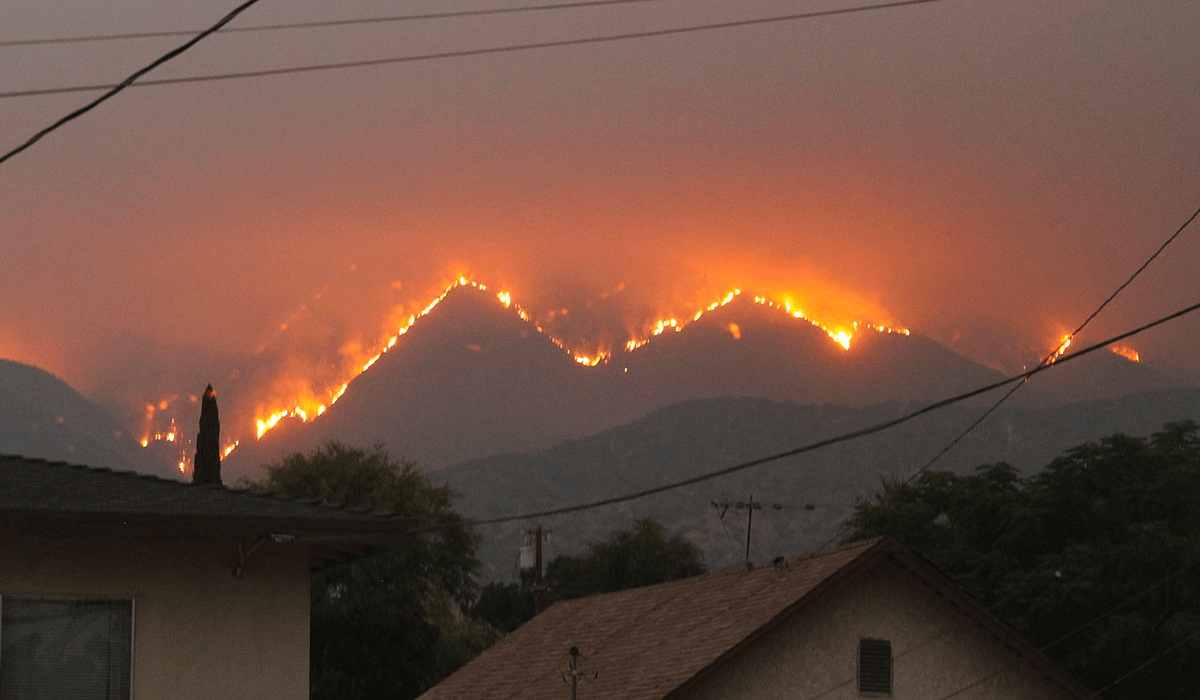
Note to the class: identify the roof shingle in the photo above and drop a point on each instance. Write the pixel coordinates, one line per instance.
(653, 643)
(44, 498)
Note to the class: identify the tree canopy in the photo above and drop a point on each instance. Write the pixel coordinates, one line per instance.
(1093, 558)
(387, 625)
(641, 555)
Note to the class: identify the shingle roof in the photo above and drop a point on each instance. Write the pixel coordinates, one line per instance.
(658, 640)
(39, 497)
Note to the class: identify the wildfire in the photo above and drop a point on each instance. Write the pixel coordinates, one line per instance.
(1127, 352)
(310, 404)
(841, 336)
(1060, 350)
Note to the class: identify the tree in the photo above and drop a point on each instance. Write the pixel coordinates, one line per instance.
(1093, 559)
(388, 625)
(639, 556)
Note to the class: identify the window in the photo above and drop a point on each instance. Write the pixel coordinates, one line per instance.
(77, 648)
(874, 667)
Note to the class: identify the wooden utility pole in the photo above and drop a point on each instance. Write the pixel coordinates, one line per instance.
(539, 581)
(750, 506)
(749, 524)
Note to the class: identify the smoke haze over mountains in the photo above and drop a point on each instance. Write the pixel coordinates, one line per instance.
(982, 173)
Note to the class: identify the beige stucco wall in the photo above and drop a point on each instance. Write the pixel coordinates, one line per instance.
(936, 650)
(199, 632)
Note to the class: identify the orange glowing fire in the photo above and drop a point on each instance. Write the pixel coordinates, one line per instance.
(1127, 352)
(842, 336)
(309, 404)
(1060, 350)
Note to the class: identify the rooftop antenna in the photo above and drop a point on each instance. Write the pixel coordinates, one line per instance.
(574, 672)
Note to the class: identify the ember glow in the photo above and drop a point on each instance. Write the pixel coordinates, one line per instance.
(1060, 350)
(841, 335)
(310, 401)
(935, 156)
(1127, 352)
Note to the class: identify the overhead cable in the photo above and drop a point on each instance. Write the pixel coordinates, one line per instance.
(465, 53)
(319, 24)
(1050, 357)
(1149, 661)
(129, 81)
(844, 437)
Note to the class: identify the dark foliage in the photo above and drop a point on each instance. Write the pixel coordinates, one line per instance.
(640, 556)
(506, 606)
(388, 625)
(1094, 559)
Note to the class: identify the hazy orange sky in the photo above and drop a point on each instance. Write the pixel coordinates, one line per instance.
(982, 172)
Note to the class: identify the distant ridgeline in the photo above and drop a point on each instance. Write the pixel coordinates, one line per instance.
(815, 492)
(474, 378)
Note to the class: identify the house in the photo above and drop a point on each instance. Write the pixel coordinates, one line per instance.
(118, 585)
(870, 619)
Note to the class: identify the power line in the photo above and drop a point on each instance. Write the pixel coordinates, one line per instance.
(1149, 661)
(465, 53)
(319, 24)
(1050, 357)
(1110, 611)
(845, 437)
(129, 81)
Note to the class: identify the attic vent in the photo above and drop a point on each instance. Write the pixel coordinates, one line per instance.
(874, 667)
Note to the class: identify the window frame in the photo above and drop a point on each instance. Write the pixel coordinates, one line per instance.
(114, 599)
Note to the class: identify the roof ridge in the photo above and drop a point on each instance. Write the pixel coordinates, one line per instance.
(238, 492)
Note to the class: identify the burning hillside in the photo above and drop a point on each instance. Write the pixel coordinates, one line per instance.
(310, 398)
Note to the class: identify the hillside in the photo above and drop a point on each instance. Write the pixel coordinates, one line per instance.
(473, 379)
(815, 491)
(42, 416)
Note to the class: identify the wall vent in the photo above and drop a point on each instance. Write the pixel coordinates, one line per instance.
(874, 667)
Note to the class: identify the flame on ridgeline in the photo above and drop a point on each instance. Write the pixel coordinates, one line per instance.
(1060, 350)
(310, 404)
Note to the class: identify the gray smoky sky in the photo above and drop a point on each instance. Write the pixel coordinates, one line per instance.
(983, 173)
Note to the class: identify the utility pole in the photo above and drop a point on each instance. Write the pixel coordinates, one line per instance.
(539, 580)
(750, 506)
(749, 524)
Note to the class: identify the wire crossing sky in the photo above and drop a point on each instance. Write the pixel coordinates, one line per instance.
(979, 173)
(128, 81)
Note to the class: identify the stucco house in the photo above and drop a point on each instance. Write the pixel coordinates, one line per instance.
(120, 585)
(872, 619)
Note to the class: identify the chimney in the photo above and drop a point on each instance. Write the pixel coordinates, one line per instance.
(207, 465)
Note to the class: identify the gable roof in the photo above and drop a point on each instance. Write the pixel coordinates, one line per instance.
(656, 642)
(56, 499)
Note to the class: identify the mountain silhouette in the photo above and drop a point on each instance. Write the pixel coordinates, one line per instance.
(472, 379)
(806, 497)
(41, 416)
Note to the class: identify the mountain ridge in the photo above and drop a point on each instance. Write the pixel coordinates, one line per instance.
(474, 377)
(41, 416)
(816, 491)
